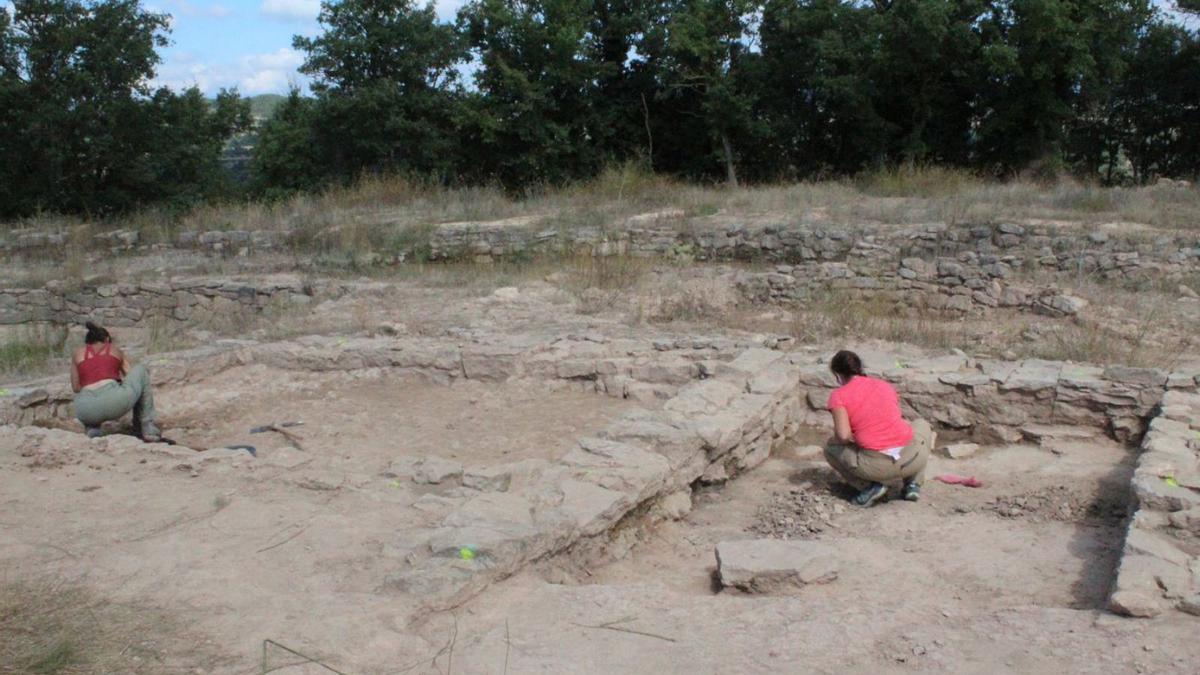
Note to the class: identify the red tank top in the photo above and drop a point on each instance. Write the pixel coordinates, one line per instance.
(98, 365)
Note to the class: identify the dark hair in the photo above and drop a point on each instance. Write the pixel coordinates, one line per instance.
(846, 363)
(96, 334)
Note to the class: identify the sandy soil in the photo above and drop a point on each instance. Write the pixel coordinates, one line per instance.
(1009, 577)
(368, 419)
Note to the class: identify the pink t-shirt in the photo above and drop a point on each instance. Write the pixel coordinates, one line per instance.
(874, 411)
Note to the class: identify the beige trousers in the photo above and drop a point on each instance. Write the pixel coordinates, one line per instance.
(861, 467)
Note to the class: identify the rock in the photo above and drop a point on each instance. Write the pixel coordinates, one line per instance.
(433, 470)
(1191, 605)
(774, 566)
(675, 505)
(33, 398)
(961, 450)
(1136, 604)
(507, 294)
(1139, 541)
(488, 478)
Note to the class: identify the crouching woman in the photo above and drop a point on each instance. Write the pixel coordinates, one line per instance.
(107, 386)
(872, 444)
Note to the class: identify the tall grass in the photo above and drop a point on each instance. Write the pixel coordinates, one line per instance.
(28, 351)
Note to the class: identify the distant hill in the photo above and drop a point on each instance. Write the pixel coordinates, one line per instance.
(264, 105)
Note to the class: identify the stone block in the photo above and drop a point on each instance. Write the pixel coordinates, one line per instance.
(434, 470)
(774, 566)
(961, 450)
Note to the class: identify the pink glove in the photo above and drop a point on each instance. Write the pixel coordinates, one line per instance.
(955, 479)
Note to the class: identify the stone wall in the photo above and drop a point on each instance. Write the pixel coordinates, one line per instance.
(999, 401)
(129, 304)
(1160, 561)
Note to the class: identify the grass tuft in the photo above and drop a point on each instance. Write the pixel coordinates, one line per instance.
(32, 350)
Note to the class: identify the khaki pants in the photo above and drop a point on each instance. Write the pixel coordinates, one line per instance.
(110, 401)
(862, 467)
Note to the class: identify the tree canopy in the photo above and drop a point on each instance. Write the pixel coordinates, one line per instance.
(527, 93)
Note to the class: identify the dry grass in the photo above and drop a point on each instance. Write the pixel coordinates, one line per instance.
(53, 627)
(382, 216)
(1143, 338)
(29, 351)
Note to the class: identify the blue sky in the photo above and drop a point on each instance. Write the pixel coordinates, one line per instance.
(240, 43)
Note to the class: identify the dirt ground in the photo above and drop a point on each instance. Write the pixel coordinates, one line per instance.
(297, 545)
(369, 419)
(963, 581)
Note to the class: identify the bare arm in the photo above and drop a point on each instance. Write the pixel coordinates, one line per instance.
(75, 375)
(126, 366)
(841, 425)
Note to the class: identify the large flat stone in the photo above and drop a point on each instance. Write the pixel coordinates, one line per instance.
(774, 566)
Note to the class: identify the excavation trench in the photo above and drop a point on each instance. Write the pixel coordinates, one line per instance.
(434, 479)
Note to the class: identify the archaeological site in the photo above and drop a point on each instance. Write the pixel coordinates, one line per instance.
(595, 442)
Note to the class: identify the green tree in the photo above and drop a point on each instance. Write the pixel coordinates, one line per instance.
(385, 80)
(697, 49)
(532, 119)
(286, 157)
(817, 93)
(81, 130)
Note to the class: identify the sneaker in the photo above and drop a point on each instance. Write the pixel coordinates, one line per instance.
(912, 492)
(150, 433)
(93, 432)
(873, 493)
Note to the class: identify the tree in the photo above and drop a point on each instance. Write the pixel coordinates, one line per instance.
(697, 48)
(286, 158)
(818, 97)
(82, 132)
(533, 120)
(385, 82)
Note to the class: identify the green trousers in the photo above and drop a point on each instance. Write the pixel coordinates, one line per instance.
(861, 467)
(110, 401)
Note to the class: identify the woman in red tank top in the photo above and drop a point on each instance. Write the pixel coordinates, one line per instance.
(107, 386)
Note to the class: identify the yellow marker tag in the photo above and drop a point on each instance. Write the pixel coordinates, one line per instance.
(1170, 480)
(395, 484)
(3, 392)
(466, 553)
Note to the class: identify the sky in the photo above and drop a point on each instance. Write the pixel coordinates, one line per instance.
(246, 44)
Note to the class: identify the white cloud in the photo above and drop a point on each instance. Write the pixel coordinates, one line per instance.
(290, 10)
(270, 72)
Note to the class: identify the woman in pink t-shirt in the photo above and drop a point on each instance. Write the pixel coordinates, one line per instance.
(872, 444)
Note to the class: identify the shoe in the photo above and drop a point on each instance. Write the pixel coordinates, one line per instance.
(150, 433)
(93, 432)
(873, 493)
(912, 492)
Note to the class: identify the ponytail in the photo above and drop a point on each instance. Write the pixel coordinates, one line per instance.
(96, 334)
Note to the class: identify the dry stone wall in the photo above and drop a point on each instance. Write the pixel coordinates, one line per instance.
(1160, 561)
(129, 304)
(955, 268)
(1000, 401)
